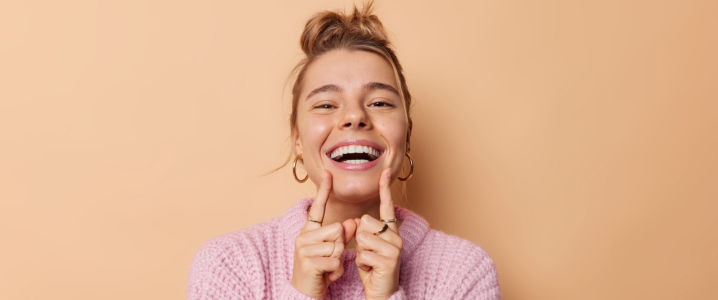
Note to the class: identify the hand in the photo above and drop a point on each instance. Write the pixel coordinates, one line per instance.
(318, 249)
(378, 256)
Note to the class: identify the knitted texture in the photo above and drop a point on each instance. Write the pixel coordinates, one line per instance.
(256, 263)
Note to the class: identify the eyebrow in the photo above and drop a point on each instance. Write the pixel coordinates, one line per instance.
(380, 86)
(325, 88)
(369, 86)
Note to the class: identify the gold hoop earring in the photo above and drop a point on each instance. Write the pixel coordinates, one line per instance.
(411, 161)
(294, 170)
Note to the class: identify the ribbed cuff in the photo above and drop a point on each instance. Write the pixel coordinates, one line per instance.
(289, 292)
(399, 295)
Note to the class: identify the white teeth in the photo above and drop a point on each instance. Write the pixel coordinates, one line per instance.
(356, 161)
(339, 152)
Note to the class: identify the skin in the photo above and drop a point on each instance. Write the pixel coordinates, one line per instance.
(350, 202)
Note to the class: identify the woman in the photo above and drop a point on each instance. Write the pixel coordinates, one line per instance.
(351, 127)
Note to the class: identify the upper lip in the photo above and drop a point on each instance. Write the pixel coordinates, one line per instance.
(355, 142)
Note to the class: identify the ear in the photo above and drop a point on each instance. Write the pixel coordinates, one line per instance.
(296, 144)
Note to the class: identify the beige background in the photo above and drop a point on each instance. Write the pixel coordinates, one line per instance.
(575, 141)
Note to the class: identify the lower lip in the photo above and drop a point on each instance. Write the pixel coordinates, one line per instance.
(355, 167)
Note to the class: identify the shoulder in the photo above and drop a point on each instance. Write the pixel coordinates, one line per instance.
(232, 264)
(454, 249)
(240, 243)
(461, 267)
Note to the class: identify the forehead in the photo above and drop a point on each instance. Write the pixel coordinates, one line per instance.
(349, 69)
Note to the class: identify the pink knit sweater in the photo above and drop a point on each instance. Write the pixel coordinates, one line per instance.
(256, 263)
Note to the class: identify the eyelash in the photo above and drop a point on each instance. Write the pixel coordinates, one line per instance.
(381, 102)
(328, 106)
(325, 105)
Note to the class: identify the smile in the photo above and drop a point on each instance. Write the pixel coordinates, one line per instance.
(354, 154)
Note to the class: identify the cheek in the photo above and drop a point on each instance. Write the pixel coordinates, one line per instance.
(317, 126)
(313, 131)
(394, 132)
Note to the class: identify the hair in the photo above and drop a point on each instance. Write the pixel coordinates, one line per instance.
(335, 30)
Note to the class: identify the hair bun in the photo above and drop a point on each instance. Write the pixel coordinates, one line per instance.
(327, 29)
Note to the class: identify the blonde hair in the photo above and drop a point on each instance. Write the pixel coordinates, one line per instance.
(335, 30)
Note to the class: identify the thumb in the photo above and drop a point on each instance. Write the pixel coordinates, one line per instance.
(350, 228)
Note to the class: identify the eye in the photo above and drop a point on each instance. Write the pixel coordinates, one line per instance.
(380, 104)
(324, 105)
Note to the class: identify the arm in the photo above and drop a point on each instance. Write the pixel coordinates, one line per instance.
(230, 269)
(483, 283)
(215, 273)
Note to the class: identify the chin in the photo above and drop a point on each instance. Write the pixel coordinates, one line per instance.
(352, 189)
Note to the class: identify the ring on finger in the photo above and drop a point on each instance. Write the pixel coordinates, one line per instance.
(386, 226)
(309, 218)
(387, 220)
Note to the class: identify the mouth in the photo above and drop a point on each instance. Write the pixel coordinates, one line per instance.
(355, 152)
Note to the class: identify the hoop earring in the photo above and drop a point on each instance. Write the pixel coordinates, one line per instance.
(411, 161)
(294, 170)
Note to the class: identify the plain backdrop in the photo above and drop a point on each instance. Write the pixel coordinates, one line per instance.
(575, 141)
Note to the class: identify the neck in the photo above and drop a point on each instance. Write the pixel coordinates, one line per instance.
(338, 210)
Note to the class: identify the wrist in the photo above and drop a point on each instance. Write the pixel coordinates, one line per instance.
(306, 291)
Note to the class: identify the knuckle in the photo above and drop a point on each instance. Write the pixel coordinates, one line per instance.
(328, 248)
(339, 249)
(305, 265)
(304, 252)
(337, 228)
(335, 263)
(368, 235)
(301, 252)
(395, 252)
(366, 218)
(299, 241)
(361, 256)
(361, 236)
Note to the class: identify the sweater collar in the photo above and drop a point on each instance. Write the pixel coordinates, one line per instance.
(412, 230)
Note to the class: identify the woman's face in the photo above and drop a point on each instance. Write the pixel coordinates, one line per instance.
(351, 121)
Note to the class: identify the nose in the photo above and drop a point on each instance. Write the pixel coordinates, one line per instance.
(355, 117)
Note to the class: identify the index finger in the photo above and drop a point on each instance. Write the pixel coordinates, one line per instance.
(386, 207)
(316, 211)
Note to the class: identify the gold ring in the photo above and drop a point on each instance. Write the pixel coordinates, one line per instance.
(388, 220)
(386, 226)
(309, 218)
